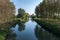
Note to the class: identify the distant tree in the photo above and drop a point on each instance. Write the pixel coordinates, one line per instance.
(20, 12)
(32, 16)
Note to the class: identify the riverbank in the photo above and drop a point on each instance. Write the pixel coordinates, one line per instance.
(53, 25)
(15, 19)
(5, 26)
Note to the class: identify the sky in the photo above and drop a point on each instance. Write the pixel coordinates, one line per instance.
(28, 5)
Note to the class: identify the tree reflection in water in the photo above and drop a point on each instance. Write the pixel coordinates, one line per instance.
(42, 34)
(10, 35)
(6, 32)
(21, 26)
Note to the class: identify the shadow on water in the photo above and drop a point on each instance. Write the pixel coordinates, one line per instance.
(51, 27)
(27, 30)
(43, 34)
(5, 31)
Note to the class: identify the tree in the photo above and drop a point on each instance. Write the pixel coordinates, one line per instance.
(20, 12)
(48, 9)
(7, 10)
(40, 10)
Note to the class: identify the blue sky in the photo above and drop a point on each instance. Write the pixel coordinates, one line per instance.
(27, 5)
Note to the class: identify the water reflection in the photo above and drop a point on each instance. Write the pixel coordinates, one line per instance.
(42, 34)
(27, 30)
(10, 36)
(5, 31)
(21, 26)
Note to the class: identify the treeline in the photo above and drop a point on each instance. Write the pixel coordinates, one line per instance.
(7, 10)
(48, 9)
(22, 15)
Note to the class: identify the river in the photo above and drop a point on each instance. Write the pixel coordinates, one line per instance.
(30, 30)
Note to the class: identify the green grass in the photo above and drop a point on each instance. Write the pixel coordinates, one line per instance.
(48, 20)
(2, 37)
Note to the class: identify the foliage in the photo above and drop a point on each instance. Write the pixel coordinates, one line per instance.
(48, 9)
(20, 12)
(22, 15)
(7, 10)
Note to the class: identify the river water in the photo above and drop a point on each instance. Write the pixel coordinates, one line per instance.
(30, 30)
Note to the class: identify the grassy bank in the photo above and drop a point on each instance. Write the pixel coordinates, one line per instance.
(15, 19)
(53, 25)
